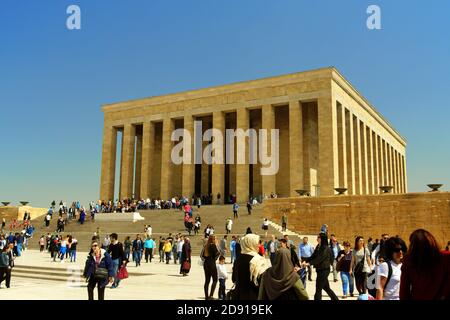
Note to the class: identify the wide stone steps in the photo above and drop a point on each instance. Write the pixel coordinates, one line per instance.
(164, 222)
(72, 274)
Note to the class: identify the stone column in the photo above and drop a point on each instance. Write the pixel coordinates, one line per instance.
(108, 162)
(205, 167)
(384, 179)
(295, 147)
(400, 169)
(328, 155)
(342, 147)
(357, 152)
(390, 171)
(350, 153)
(218, 169)
(363, 140)
(138, 173)
(127, 166)
(268, 123)
(376, 163)
(242, 170)
(405, 176)
(381, 161)
(370, 161)
(188, 182)
(148, 143)
(166, 161)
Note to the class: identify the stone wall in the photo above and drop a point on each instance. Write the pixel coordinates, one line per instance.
(10, 212)
(367, 215)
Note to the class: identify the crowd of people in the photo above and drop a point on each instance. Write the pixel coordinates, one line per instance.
(383, 270)
(275, 269)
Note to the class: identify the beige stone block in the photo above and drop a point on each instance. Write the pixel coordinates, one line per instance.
(242, 170)
(166, 161)
(126, 174)
(108, 162)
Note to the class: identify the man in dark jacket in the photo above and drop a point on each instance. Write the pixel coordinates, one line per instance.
(321, 259)
(138, 247)
(115, 249)
(6, 264)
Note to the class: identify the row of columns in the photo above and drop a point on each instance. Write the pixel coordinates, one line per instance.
(366, 160)
(350, 154)
(145, 163)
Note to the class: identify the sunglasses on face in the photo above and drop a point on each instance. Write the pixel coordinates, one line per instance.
(94, 245)
(397, 250)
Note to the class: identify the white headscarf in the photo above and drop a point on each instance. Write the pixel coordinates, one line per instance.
(250, 246)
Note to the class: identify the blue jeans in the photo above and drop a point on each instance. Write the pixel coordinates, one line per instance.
(233, 255)
(137, 257)
(73, 254)
(19, 249)
(116, 269)
(347, 281)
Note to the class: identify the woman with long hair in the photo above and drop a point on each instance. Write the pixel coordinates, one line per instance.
(360, 265)
(425, 269)
(321, 259)
(209, 255)
(389, 271)
(344, 259)
(248, 268)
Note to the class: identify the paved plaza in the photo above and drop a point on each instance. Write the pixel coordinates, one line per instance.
(151, 281)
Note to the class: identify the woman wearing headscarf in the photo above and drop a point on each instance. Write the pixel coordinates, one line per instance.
(321, 259)
(185, 257)
(248, 268)
(281, 281)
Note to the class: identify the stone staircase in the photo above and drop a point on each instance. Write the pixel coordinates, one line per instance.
(164, 222)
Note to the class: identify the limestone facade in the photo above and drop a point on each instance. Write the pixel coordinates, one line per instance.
(366, 215)
(330, 136)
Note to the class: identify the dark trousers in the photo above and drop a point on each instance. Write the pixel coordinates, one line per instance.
(323, 284)
(283, 227)
(91, 286)
(5, 274)
(221, 289)
(148, 254)
(167, 257)
(210, 270)
(361, 281)
(235, 214)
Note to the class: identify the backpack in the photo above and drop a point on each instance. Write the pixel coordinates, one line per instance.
(389, 274)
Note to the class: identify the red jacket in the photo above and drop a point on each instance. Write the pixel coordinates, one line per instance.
(432, 285)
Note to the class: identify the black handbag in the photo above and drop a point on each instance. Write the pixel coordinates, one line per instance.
(359, 267)
(231, 294)
(100, 273)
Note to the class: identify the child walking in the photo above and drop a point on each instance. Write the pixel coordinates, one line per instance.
(223, 276)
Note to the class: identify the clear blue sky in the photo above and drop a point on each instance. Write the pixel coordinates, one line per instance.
(53, 81)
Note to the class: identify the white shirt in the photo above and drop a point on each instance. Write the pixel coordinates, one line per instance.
(149, 231)
(272, 247)
(229, 224)
(392, 289)
(222, 271)
(180, 245)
